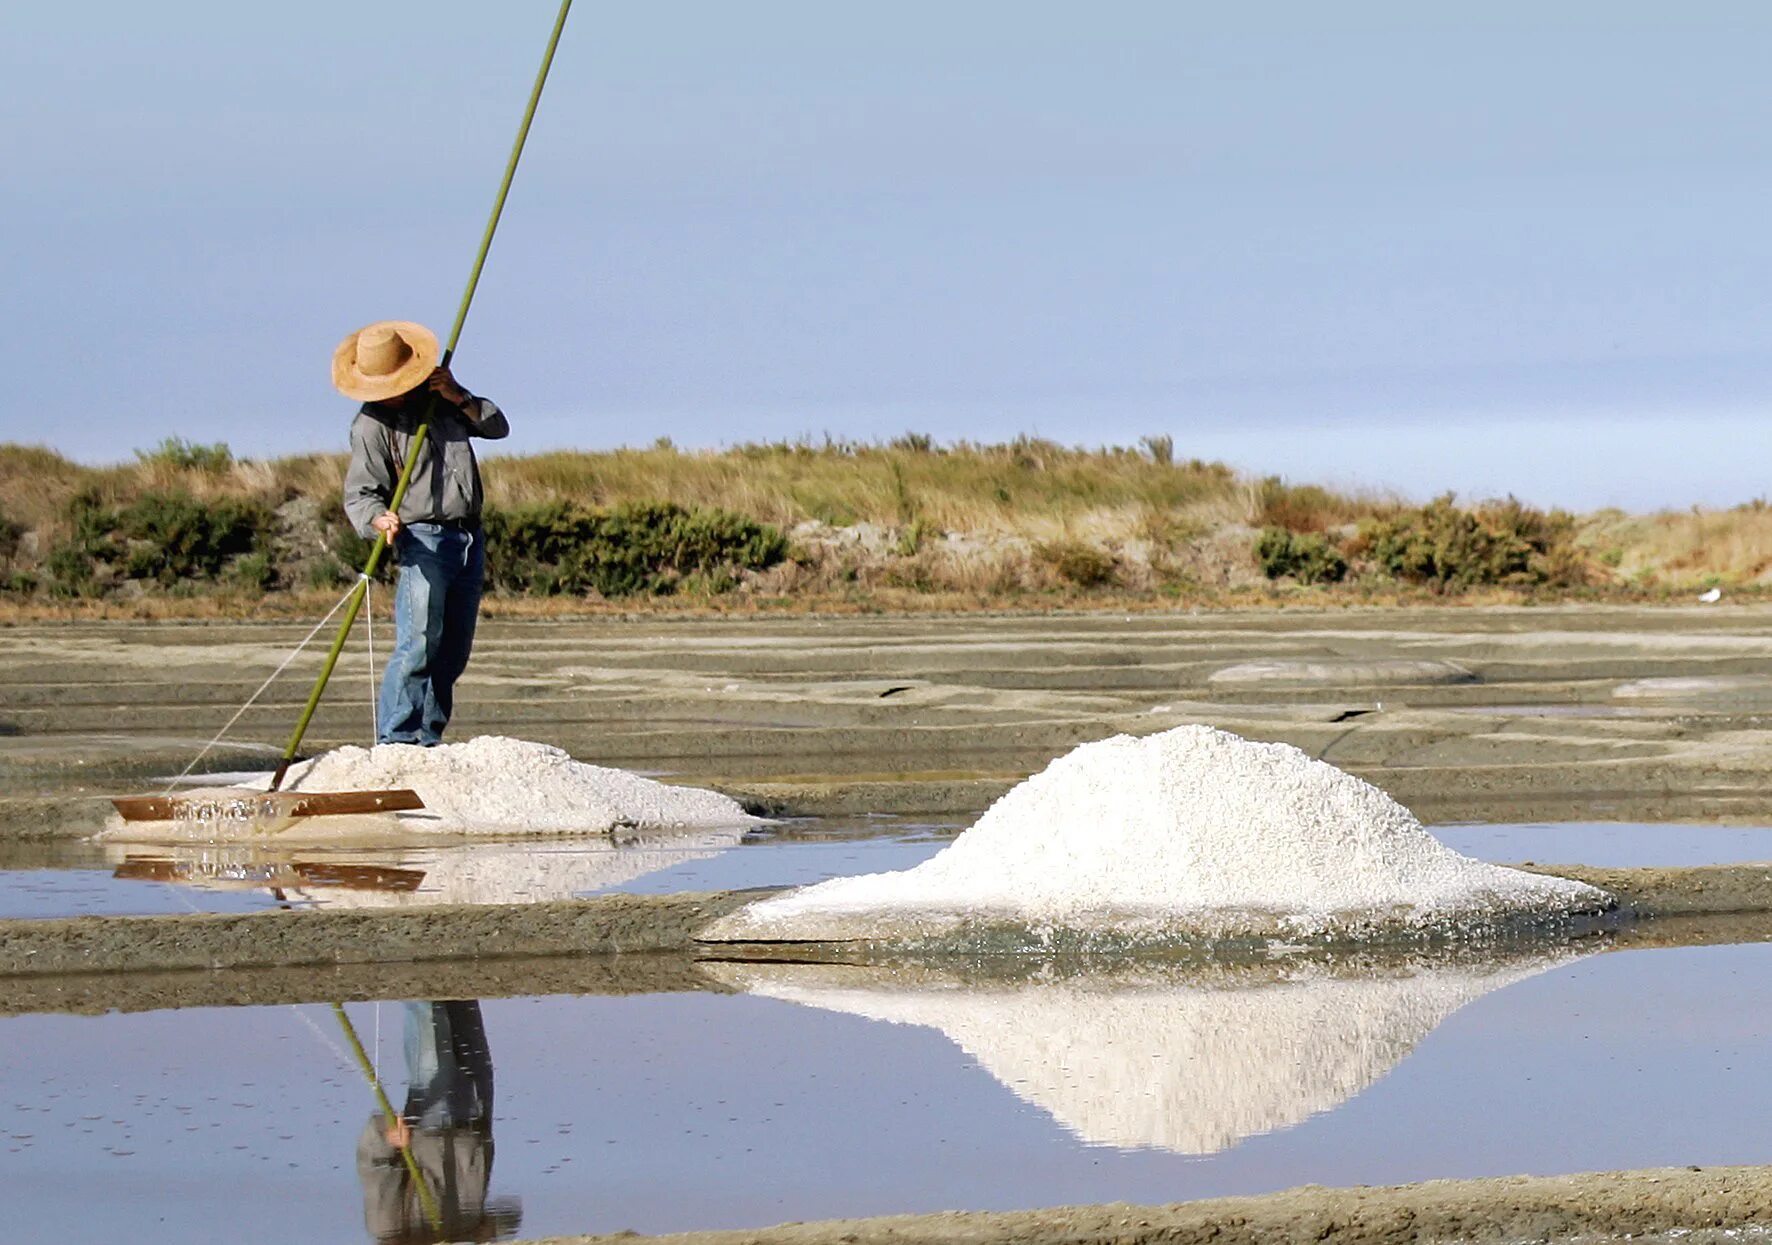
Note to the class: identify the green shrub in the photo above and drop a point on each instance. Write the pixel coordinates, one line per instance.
(561, 548)
(911, 538)
(166, 537)
(327, 571)
(253, 571)
(348, 553)
(1081, 564)
(1497, 544)
(1307, 557)
(70, 572)
(173, 536)
(189, 456)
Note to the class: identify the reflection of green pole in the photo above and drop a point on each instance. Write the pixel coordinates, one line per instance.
(418, 439)
(425, 1197)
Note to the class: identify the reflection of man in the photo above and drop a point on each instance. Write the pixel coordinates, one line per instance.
(446, 1125)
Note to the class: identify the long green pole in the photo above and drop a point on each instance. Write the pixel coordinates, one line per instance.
(426, 1198)
(361, 591)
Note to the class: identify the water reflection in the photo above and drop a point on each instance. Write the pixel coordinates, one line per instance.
(1191, 1059)
(445, 1128)
(444, 873)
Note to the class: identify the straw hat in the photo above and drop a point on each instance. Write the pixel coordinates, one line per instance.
(384, 360)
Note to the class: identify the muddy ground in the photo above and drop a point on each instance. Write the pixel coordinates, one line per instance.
(613, 925)
(1601, 1206)
(1478, 714)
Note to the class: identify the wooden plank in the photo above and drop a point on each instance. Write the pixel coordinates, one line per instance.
(277, 804)
(320, 803)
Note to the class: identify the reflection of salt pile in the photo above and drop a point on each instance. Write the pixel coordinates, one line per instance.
(527, 873)
(490, 784)
(1186, 1059)
(1192, 831)
(476, 873)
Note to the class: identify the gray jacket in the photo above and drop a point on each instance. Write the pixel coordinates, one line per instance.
(445, 483)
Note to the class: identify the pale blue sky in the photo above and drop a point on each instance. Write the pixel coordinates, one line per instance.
(1485, 247)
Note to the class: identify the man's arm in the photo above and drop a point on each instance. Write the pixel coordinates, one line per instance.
(487, 421)
(369, 480)
(483, 418)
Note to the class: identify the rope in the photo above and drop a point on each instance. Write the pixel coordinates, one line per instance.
(306, 640)
(369, 626)
(320, 1036)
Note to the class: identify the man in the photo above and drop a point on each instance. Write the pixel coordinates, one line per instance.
(391, 367)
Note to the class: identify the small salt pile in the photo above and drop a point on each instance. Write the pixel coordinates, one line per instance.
(493, 783)
(488, 785)
(1191, 832)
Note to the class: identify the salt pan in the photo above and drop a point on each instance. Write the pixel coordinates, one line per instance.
(1191, 832)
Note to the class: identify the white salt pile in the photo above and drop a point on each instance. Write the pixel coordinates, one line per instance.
(488, 785)
(1192, 832)
(1187, 1060)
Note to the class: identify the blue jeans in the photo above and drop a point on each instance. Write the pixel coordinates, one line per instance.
(436, 603)
(448, 1065)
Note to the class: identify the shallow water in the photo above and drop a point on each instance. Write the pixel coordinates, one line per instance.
(140, 879)
(676, 1111)
(136, 879)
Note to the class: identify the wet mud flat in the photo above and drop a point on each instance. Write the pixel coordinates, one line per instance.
(625, 923)
(1681, 1203)
(1461, 713)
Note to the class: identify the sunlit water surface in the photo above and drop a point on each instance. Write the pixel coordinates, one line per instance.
(820, 1092)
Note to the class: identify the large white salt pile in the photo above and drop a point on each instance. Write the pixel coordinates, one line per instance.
(1192, 832)
(1191, 1060)
(490, 784)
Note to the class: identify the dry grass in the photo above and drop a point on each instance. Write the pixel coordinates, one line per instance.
(1686, 548)
(910, 525)
(973, 488)
(1312, 508)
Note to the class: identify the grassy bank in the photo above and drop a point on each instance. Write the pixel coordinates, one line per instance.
(189, 529)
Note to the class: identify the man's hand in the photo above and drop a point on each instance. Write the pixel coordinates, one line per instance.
(398, 1134)
(388, 524)
(442, 383)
